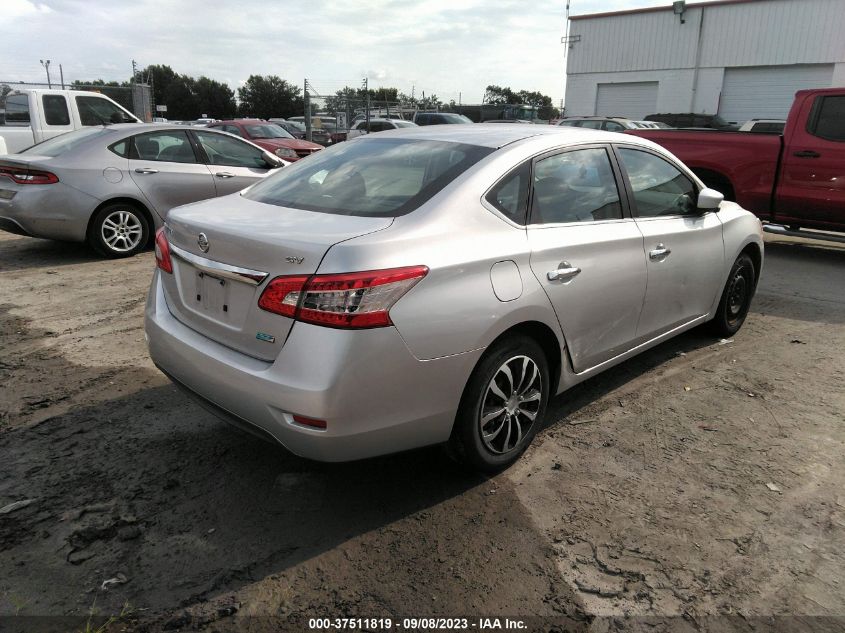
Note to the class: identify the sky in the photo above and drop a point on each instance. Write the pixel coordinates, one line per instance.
(451, 48)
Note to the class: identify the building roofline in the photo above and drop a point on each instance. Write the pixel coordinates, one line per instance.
(694, 5)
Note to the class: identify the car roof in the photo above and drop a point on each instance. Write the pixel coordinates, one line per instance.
(496, 136)
(136, 128)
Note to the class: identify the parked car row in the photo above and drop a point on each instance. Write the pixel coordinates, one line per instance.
(112, 186)
(271, 136)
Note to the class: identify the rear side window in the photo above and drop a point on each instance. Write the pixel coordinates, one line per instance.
(55, 110)
(659, 187)
(828, 120)
(575, 186)
(17, 109)
(168, 147)
(613, 126)
(510, 194)
(121, 148)
(377, 177)
(591, 124)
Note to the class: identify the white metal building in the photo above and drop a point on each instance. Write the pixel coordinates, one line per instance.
(742, 59)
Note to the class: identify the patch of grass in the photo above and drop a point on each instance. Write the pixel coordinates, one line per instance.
(90, 627)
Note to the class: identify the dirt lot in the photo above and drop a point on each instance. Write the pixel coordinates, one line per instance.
(702, 479)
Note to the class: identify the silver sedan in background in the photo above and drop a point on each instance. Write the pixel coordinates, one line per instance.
(440, 284)
(112, 186)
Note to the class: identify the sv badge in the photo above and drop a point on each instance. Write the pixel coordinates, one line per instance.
(294, 260)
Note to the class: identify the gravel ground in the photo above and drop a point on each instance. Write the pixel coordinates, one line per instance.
(698, 486)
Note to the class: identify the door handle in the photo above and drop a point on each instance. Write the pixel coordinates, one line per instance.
(565, 272)
(146, 170)
(659, 254)
(224, 174)
(808, 153)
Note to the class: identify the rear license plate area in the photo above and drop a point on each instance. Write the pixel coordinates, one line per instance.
(212, 295)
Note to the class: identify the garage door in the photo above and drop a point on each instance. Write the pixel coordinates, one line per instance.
(633, 100)
(766, 92)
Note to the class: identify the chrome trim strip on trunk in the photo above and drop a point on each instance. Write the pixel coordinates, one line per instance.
(244, 275)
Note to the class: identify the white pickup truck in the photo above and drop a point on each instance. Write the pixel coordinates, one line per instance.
(33, 116)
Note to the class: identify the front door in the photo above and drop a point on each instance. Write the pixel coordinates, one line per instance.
(166, 170)
(683, 249)
(586, 254)
(812, 184)
(234, 164)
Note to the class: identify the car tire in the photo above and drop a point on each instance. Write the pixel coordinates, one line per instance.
(736, 297)
(118, 230)
(484, 441)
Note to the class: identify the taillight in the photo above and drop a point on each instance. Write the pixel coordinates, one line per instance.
(317, 424)
(26, 176)
(348, 300)
(163, 260)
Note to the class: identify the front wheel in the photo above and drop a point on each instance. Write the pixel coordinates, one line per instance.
(118, 230)
(736, 297)
(503, 405)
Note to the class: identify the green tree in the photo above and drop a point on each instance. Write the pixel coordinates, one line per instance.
(181, 100)
(269, 96)
(500, 96)
(161, 77)
(214, 98)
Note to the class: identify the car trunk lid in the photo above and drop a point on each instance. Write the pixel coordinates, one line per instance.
(224, 251)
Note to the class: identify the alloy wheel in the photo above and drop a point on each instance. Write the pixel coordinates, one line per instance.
(511, 404)
(122, 231)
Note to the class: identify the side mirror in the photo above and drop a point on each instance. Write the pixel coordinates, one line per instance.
(709, 200)
(273, 161)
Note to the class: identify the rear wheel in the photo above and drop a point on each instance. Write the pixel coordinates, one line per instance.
(736, 297)
(503, 406)
(118, 230)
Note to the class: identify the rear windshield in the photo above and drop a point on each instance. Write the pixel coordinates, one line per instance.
(65, 142)
(371, 177)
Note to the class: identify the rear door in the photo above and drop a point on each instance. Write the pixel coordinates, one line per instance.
(812, 184)
(234, 164)
(165, 167)
(682, 248)
(587, 252)
(56, 115)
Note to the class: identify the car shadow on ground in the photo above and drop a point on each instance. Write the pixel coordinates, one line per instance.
(573, 402)
(24, 253)
(150, 488)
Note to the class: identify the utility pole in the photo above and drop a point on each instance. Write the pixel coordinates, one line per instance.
(46, 64)
(366, 86)
(62, 76)
(134, 71)
(307, 113)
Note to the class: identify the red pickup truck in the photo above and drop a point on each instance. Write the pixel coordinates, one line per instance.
(795, 179)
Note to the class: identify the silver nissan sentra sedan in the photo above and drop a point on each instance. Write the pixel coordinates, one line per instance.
(440, 284)
(111, 186)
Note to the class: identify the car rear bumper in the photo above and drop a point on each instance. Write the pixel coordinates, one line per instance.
(56, 211)
(374, 395)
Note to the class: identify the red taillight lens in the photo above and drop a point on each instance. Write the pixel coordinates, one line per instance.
(282, 295)
(163, 252)
(26, 176)
(317, 424)
(348, 300)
